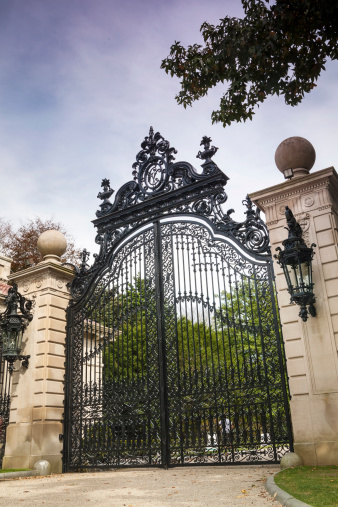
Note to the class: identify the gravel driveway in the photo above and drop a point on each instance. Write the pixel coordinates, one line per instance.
(194, 486)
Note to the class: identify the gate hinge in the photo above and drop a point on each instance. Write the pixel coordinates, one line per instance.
(60, 437)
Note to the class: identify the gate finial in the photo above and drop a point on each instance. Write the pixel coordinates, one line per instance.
(153, 144)
(105, 195)
(209, 151)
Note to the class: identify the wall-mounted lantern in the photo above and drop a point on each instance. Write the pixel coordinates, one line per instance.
(296, 261)
(13, 325)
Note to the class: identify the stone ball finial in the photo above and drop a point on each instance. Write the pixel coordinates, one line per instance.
(52, 244)
(290, 460)
(43, 467)
(295, 153)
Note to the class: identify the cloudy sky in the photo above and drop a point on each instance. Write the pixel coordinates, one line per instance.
(80, 85)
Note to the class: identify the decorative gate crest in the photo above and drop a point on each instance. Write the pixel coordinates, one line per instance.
(173, 349)
(162, 187)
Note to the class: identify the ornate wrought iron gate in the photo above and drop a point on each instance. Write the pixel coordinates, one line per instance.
(174, 352)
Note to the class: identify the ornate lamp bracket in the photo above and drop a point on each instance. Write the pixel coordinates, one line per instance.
(13, 322)
(296, 262)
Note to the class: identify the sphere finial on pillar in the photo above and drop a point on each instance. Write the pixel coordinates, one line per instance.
(295, 153)
(52, 244)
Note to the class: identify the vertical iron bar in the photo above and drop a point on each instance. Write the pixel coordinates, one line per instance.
(136, 310)
(206, 367)
(239, 309)
(251, 297)
(228, 326)
(178, 263)
(191, 305)
(219, 324)
(161, 346)
(179, 387)
(208, 305)
(248, 325)
(233, 313)
(185, 267)
(197, 299)
(214, 267)
(267, 385)
(141, 304)
(147, 366)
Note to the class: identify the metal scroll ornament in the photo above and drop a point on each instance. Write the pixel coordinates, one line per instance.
(162, 187)
(13, 322)
(152, 163)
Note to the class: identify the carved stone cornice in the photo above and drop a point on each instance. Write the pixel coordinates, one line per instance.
(45, 275)
(324, 179)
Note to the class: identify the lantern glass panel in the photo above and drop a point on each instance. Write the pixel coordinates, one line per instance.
(10, 345)
(300, 275)
(12, 339)
(19, 342)
(294, 276)
(307, 274)
(287, 274)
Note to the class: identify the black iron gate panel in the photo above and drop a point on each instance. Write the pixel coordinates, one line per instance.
(173, 353)
(116, 400)
(227, 399)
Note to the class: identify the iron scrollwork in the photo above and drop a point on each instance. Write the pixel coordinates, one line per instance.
(162, 187)
(151, 170)
(81, 279)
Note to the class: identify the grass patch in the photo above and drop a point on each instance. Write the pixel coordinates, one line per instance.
(7, 470)
(317, 486)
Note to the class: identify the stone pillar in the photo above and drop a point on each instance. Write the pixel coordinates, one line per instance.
(37, 393)
(311, 347)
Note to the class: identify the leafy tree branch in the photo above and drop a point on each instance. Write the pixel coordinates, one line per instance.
(276, 49)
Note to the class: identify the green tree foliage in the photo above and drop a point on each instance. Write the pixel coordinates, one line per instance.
(276, 49)
(125, 314)
(228, 347)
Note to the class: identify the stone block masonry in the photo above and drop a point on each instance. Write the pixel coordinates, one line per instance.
(37, 393)
(310, 347)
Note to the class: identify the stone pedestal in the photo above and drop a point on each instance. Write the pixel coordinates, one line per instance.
(311, 347)
(37, 393)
